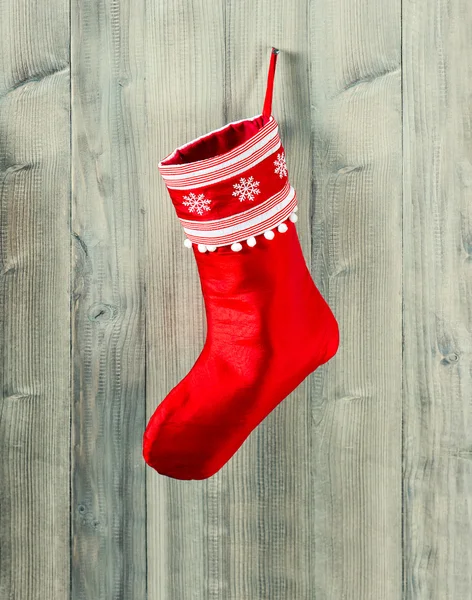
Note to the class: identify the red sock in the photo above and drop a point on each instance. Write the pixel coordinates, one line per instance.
(268, 326)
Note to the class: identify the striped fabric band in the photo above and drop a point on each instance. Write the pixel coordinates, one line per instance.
(241, 217)
(227, 165)
(253, 222)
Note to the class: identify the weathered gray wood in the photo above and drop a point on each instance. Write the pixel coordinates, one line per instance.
(357, 246)
(437, 78)
(270, 491)
(108, 158)
(34, 300)
(311, 505)
(185, 75)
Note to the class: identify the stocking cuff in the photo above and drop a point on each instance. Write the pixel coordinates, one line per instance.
(231, 184)
(236, 190)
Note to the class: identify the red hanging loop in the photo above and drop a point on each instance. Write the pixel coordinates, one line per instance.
(267, 109)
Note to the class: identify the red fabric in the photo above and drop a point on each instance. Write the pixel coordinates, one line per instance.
(267, 109)
(229, 137)
(268, 327)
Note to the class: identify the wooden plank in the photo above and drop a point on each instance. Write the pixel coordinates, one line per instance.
(185, 98)
(270, 491)
(437, 299)
(108, 154)
(34, 300)
(356, 257)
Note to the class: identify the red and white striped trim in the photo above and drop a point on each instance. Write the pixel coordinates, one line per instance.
(212, 170)
(238, 218)
(253, 222)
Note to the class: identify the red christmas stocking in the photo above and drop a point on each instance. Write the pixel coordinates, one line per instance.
(268, 326)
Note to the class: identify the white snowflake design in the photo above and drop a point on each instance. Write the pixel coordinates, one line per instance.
(280, 165)
(246, 189)
(196, 203)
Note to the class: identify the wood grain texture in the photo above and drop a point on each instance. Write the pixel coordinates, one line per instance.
(437, 263)
(108, 146)
(357, 486)
(270, 498)
(185, 74)
(34, 300)
(356, 255)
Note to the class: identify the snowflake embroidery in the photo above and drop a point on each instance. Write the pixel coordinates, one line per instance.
(280, 165)
(246, 189)
(197, 203)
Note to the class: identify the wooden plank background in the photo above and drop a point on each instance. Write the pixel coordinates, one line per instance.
(35, 267)
(359, 485)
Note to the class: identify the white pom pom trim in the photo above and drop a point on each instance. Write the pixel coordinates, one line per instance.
(250, 241)
(282, 227)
